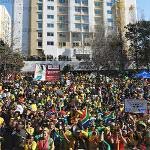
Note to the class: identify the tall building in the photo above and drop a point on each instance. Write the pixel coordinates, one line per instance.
(5, 25)
(20, 26)
(125, 12)
(63, 27)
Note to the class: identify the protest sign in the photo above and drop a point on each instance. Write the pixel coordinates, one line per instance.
(135, 106)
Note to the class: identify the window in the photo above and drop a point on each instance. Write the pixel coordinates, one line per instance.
(110, 20)
(62, 9)
(97, 11)
(39, 34)
(77, 17)
(75, 44)
(85, 2)
(85, 9)
(97, 3)
(40, 7)
(61, 1)
(78, 1)
(39, 25)
(85, 18)
(109, 11)
(78, 26)
(50, 34)
(77, 9)
(109, 4)
(50, 16)
(62, 35)
(39, 43)
(50, 0)
(50, 25)
(50, 7)
(39, 16)
(62, 18)
(50, 43)
(85, 27)
(62, 26)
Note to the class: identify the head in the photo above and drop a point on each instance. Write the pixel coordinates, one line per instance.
(46, 133)
(30, 138)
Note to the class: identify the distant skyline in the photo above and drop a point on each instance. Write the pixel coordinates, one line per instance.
(143, 7)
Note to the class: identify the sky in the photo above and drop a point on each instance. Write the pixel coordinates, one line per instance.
(143, 7)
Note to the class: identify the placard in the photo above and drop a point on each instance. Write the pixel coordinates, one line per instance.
(135, 106)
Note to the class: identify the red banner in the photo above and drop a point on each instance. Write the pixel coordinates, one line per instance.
(52, 73)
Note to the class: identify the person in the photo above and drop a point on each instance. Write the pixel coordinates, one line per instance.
(30, 144)
(45, 142)
(86, 114)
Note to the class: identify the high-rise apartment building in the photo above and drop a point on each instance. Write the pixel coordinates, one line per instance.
(20, 26)
(63, 27)
(5, 25)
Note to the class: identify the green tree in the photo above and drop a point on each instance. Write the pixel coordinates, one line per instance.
(138, 35)
(10, 61)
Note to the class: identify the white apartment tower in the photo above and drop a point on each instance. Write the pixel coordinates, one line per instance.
(20, 26)
(5, 25)
(62, 27)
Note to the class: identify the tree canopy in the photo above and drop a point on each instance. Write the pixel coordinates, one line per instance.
(9, 60)
(108, 50)
(138, 35)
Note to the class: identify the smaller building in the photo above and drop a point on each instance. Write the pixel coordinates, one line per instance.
(5, 25)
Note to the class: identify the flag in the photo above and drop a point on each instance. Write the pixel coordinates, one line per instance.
(85, 119)
(109, 117)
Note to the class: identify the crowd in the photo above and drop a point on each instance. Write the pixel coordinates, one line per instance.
(79, 112)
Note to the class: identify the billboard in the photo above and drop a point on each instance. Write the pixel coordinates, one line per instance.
(135, 106)
(47, 72)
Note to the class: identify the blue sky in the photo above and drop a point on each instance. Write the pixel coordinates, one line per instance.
(143, 7)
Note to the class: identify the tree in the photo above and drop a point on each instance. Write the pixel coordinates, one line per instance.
(138, 35)
(9, 60)
(108, 50)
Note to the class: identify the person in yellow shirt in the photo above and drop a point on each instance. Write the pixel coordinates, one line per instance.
(30, 144)
(29, 129)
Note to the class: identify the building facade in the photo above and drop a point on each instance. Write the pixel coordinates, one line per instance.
(65, 27)
(20, 25)
(5, 25)
(124, 12)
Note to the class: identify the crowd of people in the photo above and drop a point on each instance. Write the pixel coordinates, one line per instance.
(78, 112)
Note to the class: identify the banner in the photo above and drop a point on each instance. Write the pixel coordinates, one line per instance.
(52, 73)
(40, 72)
(135, 106)
(46, 73)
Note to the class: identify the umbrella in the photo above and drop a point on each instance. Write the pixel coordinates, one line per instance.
(143, 74)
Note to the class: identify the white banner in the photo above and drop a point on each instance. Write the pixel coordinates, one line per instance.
(135, 106)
